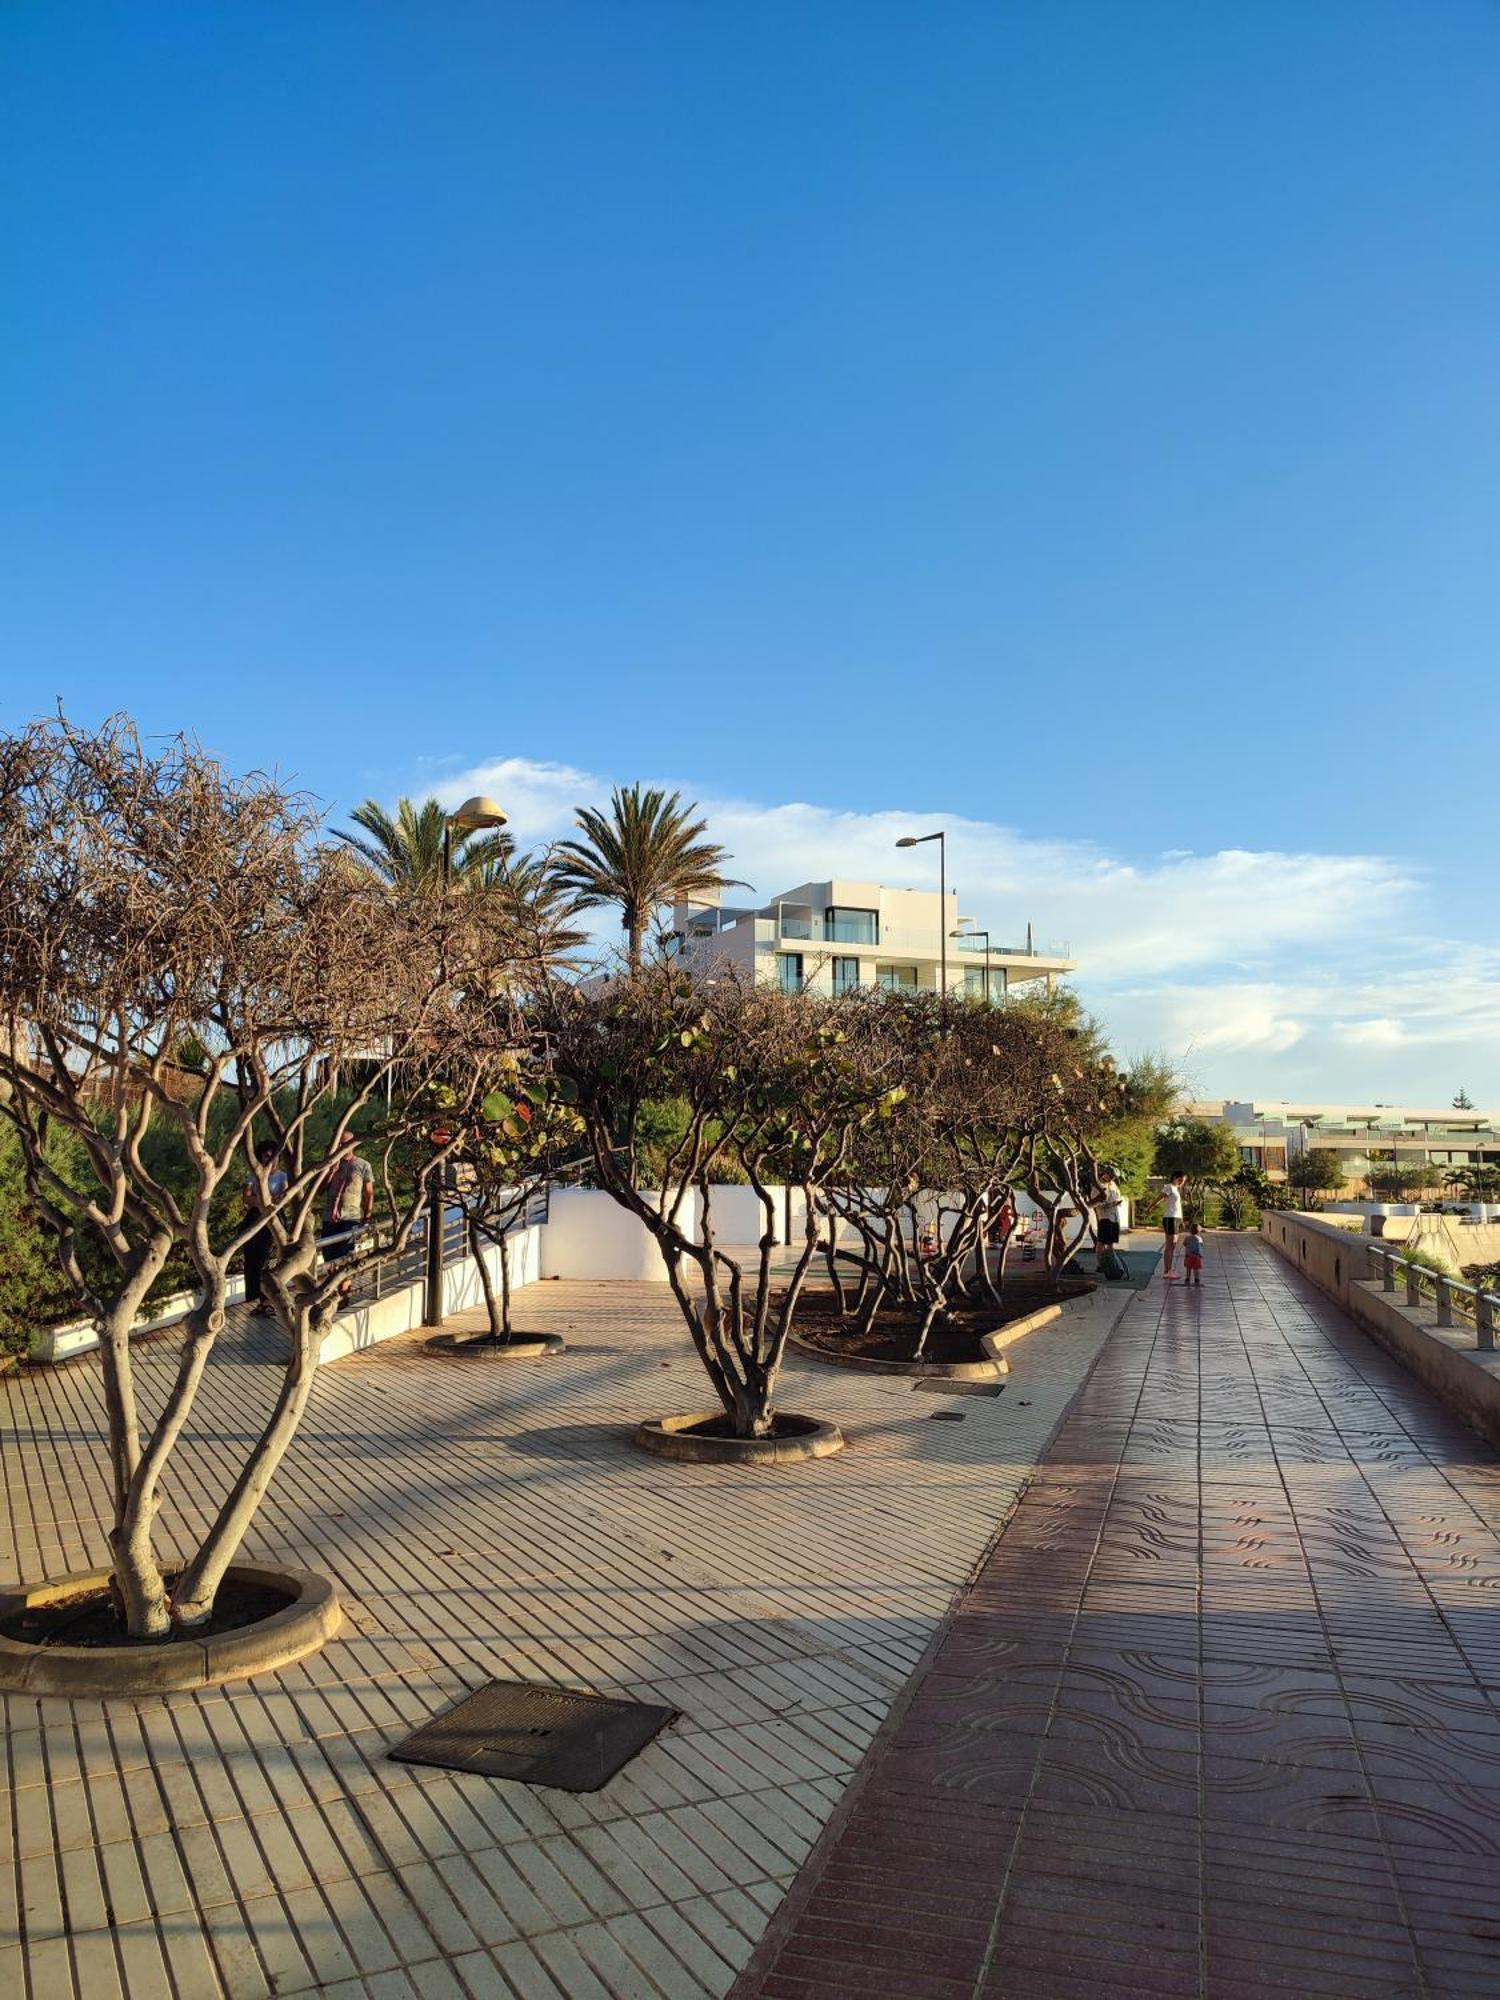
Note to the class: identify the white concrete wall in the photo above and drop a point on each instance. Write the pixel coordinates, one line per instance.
(382, 1319)
(589, 1235)
(737, 1216)
(61, 1343)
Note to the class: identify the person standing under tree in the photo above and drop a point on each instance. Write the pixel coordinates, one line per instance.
(259, 1246)
(1107, 1204)
(351, 1202)
(1171, 1222)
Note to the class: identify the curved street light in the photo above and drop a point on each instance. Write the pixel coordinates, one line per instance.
(919, 840)
(471, 817)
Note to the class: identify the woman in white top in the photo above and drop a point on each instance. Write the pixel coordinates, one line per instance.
(1171, 1221)
(1107, 1203)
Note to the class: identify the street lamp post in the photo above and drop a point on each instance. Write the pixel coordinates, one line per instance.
(471, 817)
(941, 837)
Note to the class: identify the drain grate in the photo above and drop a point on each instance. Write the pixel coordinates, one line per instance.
(537, 1735)
(939, 1385)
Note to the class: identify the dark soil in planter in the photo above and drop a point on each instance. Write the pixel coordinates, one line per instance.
(90, 1620)
(781, 1427)
(894, 1334)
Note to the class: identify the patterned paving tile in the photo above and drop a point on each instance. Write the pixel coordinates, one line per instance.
(257, 1838)
(1248, 1745)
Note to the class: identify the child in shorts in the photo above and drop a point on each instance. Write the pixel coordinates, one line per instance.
(1192, 1253)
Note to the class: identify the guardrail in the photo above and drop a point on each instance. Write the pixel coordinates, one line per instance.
(1450, 1295)
(405, 1267)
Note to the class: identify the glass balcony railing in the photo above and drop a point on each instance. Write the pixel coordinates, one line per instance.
(808, 927)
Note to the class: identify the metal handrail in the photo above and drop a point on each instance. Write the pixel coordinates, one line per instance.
(408, 1266)
(1472, 1302)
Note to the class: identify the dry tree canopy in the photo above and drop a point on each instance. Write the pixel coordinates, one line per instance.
(155, 910)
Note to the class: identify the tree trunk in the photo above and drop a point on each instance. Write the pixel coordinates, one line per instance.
(476, 1251)
(140, 1594)
(505, 1326)
(935, 1306)
(199, 1583)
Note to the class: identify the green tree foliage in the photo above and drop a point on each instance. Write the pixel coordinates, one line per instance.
(646, 851)
(1315, 1170)
(1207, 1154)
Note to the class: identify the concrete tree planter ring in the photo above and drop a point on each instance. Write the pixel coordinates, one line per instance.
(795, 1438)
(484, 1346)
(300, 1627)
(995, 1369)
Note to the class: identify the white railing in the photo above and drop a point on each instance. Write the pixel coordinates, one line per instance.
(1472, 1302)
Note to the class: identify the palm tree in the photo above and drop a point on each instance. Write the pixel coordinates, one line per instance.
(406, 851)
(545, 909)
(648, 850)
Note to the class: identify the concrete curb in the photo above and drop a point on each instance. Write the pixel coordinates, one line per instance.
(953, 1371)
(287, 1635)
(1006, 1336)
(664, 1437)
(479, 1347)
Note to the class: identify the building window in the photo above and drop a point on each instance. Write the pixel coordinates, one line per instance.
(851, 926)
(974, 983)
(845, 975)
(789, 965)
(896, 978)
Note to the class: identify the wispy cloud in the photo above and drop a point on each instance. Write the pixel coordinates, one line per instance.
(1261, 971)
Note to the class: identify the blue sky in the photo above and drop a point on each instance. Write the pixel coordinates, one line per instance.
(1081, 422)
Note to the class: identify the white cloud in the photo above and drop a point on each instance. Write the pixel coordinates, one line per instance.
(1263, 972)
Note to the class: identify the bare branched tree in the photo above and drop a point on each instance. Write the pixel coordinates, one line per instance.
(775, 1085)
(180, 954)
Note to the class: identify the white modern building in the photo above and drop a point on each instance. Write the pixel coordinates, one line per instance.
(1269, 1133)
(830, 937)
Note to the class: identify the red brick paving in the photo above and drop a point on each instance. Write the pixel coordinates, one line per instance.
(1220, 1716)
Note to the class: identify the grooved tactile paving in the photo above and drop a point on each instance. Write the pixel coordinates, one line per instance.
(537, 1736)
(1220, 1716)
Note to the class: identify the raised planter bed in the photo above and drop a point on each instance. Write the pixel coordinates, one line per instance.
(485, 1347)
(969, 1348)
(269, 1618)
(702, 1437)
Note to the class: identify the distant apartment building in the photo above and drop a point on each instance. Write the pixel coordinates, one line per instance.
(1361, 1134)
(835, 936)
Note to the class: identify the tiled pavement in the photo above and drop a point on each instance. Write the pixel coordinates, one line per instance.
(1221, 1714)
(490, 1520)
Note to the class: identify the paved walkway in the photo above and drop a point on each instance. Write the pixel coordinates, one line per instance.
(1220, 1716)
(491, 1521)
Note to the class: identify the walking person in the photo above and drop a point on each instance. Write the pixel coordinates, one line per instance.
(350, 1204)
(1192, 1253)
(258, 1248)
(1108, 1201)
(1171, 1222)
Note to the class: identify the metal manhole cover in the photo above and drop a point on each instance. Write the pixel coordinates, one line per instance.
(537, 1735)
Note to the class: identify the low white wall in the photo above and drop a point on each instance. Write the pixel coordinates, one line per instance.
(364, 1326)
(738, 1217)
(589, 1235)
(61, 1343)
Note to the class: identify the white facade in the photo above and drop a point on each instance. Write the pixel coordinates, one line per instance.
(1268, 1133)
(829, 937)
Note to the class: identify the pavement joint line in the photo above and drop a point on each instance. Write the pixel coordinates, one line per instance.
(785, 1645)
